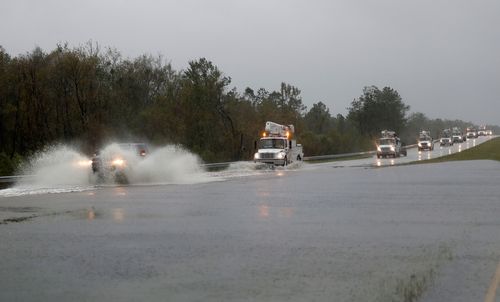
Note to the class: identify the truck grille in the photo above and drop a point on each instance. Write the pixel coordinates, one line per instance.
(266, 155)
(385, 149)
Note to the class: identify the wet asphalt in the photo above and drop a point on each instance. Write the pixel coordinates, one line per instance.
(324, 232)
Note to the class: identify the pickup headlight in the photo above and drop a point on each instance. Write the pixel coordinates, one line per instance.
(118, 162)
(84, 163)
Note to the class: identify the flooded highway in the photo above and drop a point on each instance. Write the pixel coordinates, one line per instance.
(341, 231)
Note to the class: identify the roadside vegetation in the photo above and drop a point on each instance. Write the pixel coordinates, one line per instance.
(87, 96)
(489, 150)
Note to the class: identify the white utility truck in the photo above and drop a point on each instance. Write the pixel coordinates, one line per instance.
(389, 144)
(277, 146)
(425, 141)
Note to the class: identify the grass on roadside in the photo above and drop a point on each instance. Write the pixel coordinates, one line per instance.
(487, 150)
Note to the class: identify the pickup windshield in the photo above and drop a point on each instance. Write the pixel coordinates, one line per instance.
(272, 143)
(139, 149)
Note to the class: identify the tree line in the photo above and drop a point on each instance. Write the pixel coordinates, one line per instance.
(87, 97)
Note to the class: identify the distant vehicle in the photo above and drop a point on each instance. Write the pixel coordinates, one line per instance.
(277, 146)
(471, 132)
(389, 145)
(457, 135)
(446, 138)
(482, 131)
(115, 164)
(425, 141)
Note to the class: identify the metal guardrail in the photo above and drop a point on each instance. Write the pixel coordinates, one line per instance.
(218, 165)
(334, 156)
(10, 179)
(306, 158)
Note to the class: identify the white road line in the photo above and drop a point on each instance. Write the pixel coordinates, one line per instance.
(492, 290)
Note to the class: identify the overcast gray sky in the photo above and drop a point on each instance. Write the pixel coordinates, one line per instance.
(442, 56)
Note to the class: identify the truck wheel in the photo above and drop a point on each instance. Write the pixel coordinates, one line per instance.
(298, 158)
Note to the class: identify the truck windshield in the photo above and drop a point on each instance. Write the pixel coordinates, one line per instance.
(274, 143)
(386, 141)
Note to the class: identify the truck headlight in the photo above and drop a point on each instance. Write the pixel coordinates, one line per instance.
(256, 156)
(392, 148)
(379, 149)
(280, 155)
(118, 162)
(419, 144)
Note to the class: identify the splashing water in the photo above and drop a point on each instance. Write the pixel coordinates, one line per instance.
(58, 165)
(165, 165)
(57, 169)
(61, 169)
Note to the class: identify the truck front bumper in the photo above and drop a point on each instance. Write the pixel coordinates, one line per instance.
(270, 161)
(386, 153)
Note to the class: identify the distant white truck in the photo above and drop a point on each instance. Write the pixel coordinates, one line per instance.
(425, 141)
(277, 146)
(482, 131)
(471, 132)
(457, 135)
(389, 144)
(446, 138)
